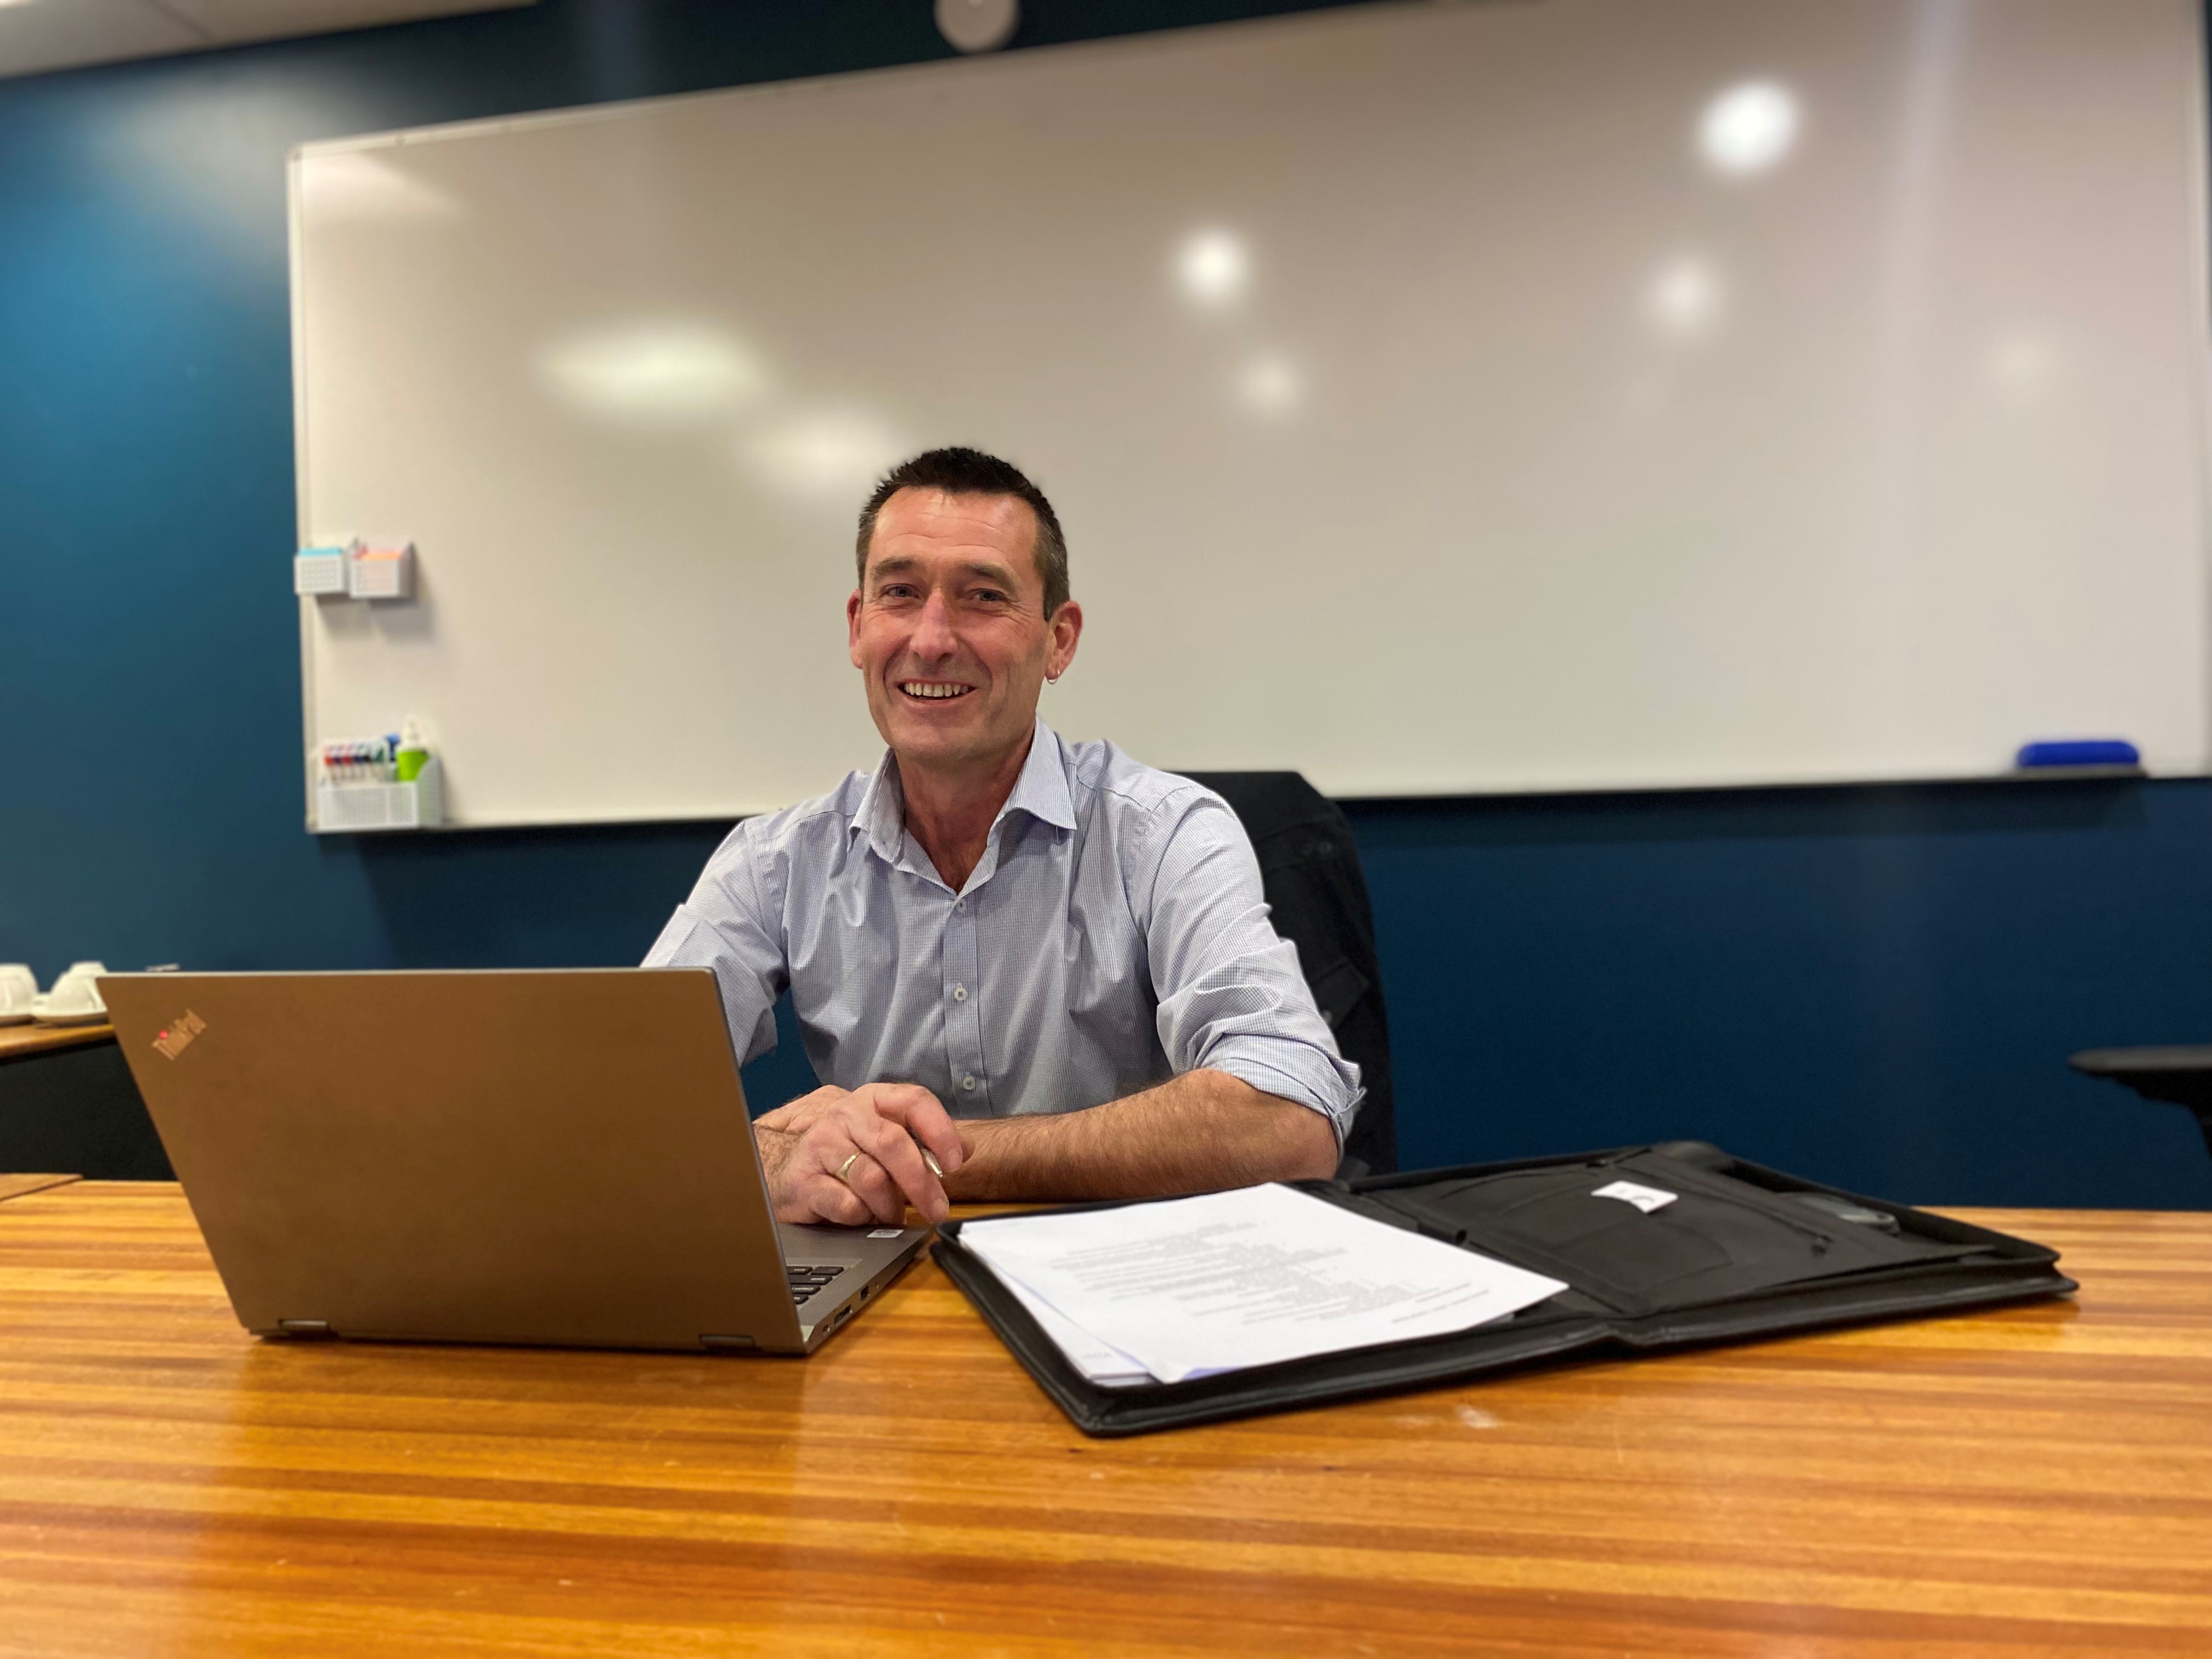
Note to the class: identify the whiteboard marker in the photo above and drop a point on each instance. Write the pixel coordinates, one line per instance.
(2077, 752)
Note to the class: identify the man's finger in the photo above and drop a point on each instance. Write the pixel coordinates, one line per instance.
(839, 1165)
(844, 1146)
(893, 1150)
(831, 1201)
(918, 1112)
(814, 1197)
(874, 1186)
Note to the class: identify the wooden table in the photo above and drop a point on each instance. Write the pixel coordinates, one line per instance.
(16, 1039)
(14, 1186)
(2029, 1481)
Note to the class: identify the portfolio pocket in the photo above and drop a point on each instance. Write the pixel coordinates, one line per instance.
(1614, 1245)
(1696, 1248)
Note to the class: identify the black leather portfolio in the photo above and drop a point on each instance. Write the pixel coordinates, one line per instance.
(1739, 1252)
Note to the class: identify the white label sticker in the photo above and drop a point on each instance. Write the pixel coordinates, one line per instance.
(1646, 1199)
(884, 1232)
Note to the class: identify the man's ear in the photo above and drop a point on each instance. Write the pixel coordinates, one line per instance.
(852, 627)
(1067, 629)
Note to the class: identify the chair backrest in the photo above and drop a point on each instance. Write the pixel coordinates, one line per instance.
(1310, 869)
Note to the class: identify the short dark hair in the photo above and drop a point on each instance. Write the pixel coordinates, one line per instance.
(959, 471)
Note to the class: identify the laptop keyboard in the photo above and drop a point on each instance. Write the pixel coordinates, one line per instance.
(804, 1281)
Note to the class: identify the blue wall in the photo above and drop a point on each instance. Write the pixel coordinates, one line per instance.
(1875, 986)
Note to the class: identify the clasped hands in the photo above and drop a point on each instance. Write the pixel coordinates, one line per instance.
(853, 1157)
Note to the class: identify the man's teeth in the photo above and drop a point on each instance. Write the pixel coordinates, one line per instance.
(931, 688)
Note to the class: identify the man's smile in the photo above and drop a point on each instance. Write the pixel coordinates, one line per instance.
(934, 690)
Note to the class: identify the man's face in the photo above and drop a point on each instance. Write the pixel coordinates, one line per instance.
(949, 631)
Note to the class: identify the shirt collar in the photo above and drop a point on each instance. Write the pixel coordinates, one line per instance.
(1041, 791)
(881, 815)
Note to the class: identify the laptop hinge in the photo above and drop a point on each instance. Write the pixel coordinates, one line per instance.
(304, 1326)
(714, 1340)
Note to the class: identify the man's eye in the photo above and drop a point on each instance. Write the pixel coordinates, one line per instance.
(989, 596)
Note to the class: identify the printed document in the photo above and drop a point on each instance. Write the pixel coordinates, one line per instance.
(1108, 1367)
(1191, 1286)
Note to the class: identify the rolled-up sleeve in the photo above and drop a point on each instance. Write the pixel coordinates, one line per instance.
(1231, 998)
(727, 925)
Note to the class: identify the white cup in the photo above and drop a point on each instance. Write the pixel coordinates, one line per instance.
(19, 989)
(77, 991)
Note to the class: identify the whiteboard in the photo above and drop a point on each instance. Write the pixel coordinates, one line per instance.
(1593, 394)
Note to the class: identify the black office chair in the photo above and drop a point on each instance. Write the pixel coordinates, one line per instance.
(1309, 870)
(2181, 1077)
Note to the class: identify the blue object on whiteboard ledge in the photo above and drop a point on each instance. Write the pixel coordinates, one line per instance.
(2078, 751)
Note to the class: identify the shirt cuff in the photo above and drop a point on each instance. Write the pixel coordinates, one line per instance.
(1293, 1070)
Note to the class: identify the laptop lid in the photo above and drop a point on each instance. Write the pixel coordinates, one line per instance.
(557, 1157)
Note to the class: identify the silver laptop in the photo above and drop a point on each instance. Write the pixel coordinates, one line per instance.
(556, 1156)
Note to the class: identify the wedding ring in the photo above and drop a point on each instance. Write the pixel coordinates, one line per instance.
(851, 1158)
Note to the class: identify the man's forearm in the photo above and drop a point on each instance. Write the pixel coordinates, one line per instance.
(1202, 1131)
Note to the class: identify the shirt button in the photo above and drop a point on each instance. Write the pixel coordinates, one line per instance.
(960, 904)
(960, 994)
(967, 1082)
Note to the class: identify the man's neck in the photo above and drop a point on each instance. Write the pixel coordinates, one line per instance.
(951, 812)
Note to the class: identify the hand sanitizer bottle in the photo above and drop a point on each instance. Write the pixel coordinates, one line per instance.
(413, 751)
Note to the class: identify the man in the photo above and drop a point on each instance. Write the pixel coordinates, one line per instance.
(1066, 948)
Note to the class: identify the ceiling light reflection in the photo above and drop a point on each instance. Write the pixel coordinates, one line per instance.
(1685, 296)
(654, 373)
(2022, 364)
(837, 454)
(1749, 128)
(1271, 386)
(1213, 267)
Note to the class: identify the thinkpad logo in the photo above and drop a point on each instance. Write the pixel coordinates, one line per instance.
(179, 1037)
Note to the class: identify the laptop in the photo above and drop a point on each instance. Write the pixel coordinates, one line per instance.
(552, 1157)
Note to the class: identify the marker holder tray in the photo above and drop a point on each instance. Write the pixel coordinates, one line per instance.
(351, 808)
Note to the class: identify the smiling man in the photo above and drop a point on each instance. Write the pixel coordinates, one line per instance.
(1065, 951)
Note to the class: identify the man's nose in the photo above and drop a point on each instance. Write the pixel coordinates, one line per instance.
(932, 632)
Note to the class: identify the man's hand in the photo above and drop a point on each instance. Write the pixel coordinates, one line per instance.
(874, 1135)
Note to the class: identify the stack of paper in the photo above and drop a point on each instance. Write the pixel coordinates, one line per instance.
(1191, 1286)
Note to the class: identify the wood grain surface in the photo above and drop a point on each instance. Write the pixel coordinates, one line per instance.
(2036, 1481)
(14, 1186)
(16, 1041)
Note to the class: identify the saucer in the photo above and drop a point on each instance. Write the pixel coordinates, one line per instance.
(23, 1019)
(85, 1016)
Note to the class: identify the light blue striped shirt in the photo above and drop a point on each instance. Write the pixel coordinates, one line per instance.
(1112, 936)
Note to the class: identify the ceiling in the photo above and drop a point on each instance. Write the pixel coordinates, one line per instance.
(36, 36)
